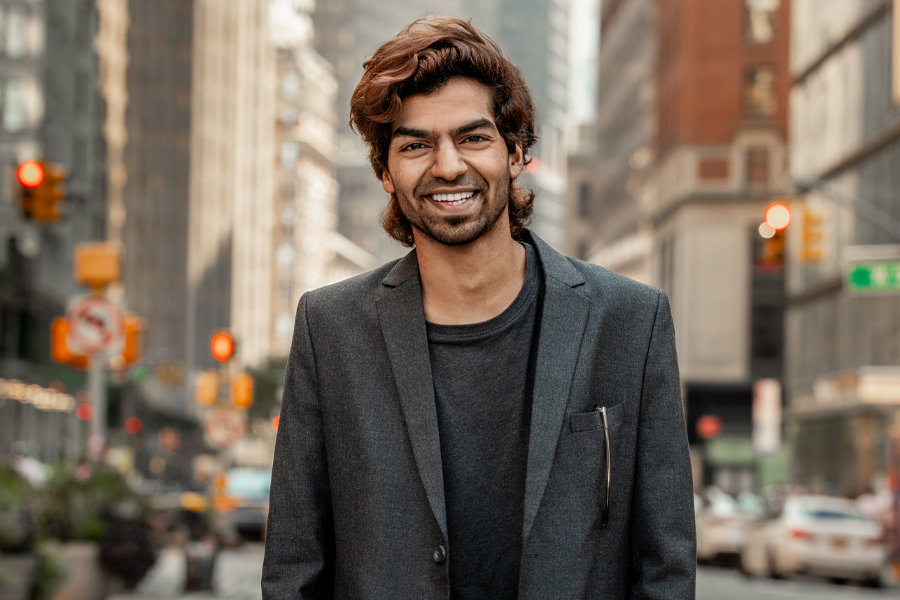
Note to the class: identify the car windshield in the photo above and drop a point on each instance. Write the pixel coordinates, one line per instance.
(252, 484)
(833, 515)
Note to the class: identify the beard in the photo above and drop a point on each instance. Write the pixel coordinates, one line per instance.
(454, 230)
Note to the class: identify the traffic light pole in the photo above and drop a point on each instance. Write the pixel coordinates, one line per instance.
(97, 388)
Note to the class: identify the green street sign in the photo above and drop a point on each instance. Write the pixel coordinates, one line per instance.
(874, 276)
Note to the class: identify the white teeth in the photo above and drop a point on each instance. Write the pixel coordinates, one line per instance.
(453, 199)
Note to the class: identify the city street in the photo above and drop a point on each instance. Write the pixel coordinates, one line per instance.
(717, 583)
(237, 578)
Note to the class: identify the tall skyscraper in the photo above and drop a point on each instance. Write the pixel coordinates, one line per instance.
(50, 110)
(231, 178)
(156, 160)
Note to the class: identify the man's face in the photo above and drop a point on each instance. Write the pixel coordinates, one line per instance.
(448, 164)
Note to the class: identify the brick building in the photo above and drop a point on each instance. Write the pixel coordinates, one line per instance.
(722, 82)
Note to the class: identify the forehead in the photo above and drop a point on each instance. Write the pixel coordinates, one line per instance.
(456, 103)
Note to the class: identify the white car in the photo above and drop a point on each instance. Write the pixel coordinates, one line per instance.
(723, 522)
(817, 535)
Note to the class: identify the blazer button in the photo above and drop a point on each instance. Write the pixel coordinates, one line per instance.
(439, 555)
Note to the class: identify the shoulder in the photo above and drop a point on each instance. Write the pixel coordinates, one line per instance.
(349, 294)
(602, 284)
(599, 285)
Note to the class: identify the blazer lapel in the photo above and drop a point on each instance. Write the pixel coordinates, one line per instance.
(402, 319)
(563, 320)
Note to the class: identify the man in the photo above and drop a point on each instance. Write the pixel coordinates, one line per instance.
(484, 418)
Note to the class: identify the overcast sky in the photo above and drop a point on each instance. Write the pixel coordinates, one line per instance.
(584, 34)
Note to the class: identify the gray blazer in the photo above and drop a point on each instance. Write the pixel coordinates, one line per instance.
(357, 502)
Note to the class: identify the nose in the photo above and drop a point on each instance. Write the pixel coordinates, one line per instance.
(448, 162)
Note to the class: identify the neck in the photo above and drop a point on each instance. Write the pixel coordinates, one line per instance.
(470, 283)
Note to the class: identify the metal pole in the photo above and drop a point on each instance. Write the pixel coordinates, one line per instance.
(97, 388)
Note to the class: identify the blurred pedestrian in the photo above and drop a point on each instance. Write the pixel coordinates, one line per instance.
(484, 418)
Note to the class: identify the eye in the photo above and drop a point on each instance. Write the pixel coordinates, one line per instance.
(475, 138)
(413, 147)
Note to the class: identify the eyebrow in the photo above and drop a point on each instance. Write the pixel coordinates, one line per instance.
(412, 132)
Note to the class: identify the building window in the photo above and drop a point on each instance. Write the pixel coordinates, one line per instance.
(290, 86)
(289, 154)
(584, 200)
(286, 255)
(13, 111)
(759, 92)
(15, 28)
(757, 167)
(284, 326)
(761, 20)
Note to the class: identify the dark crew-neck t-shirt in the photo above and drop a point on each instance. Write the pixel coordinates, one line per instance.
(483, 382)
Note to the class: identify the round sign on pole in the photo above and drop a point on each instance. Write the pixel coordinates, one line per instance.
(95, 325)
(224, 426)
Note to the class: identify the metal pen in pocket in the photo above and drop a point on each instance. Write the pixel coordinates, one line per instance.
(605, 417)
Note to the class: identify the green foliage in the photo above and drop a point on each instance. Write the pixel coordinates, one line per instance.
(268, 379)
(78, 509)
(50, 572)
(16, 522)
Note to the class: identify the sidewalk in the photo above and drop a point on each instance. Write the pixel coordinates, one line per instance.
(236, 577)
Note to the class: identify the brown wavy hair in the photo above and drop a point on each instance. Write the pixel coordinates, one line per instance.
(423, 57)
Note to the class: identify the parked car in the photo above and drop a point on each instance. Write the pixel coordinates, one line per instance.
(241, 502)
(723, 522)
(817, 535)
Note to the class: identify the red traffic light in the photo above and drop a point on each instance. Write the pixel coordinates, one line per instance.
(133, 425)
(30, 174)
(84, 411)
(778, 216)
(222, 346)
(709, 426)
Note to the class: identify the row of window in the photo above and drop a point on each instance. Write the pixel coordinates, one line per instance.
(13, 31)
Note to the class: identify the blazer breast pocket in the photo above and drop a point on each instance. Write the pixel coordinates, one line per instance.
(593, 420)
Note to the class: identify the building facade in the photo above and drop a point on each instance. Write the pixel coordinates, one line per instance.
(607, 222)
(50, 110)
(722, 68)
(690, 150)
(843, 357)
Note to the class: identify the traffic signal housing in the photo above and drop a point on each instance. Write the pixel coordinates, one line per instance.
(59, 349)
(242, 390)
(40, 190)
(206, 388)
(811, 245)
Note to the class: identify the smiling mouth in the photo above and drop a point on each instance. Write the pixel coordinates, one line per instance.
(453, 199)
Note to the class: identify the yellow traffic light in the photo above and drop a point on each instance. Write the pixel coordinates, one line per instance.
(242, 390)
(811, 246)
(40, 190)
(206, 388)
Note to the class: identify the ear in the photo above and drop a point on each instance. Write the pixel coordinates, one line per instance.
(386, 182)
(516, 162)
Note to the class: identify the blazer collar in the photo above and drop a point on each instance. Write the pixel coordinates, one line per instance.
(563, 318)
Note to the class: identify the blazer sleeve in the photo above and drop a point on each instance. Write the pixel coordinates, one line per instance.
(299, 553)
(663, 540)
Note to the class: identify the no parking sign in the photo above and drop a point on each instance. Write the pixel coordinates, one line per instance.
(95, 325)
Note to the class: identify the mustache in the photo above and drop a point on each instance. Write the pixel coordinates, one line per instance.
(469, 180)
